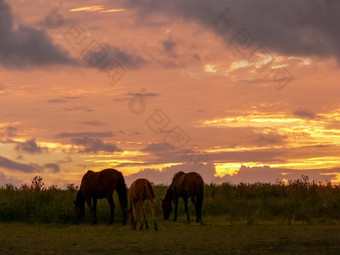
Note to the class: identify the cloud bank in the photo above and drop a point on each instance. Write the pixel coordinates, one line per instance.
(291, 27)
(264, 174)
(22, 46)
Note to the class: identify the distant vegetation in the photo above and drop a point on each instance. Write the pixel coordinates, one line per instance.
(299, 200)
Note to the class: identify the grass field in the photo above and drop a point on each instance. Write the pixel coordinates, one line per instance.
(300, 217)
(215, 236)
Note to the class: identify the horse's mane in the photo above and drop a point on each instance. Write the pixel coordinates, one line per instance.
(180, 173)
(121, 189)
(122, 181)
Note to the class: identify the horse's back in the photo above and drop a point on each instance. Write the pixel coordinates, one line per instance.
(189, 184)
(193, 183)
(141, 188)
(101, 183)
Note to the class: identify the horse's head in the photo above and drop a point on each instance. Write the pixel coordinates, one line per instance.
(79, 206)
(79, 209)
(167, 209)
(166, 204)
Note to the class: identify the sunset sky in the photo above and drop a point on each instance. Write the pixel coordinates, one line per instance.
(235, 90)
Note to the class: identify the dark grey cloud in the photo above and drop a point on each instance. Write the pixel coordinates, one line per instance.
(62, 99)
(30, 146)
(11, 131)
(165, 175)
(79, 108)
(12, 165)
(93, 145)
(145, 94)
(24, 46)
(8, 131)
(84, 134)
(92, 123)
(66, 160)
(290, 27)
(105, 57)
(270, 139)
(9, 180)
(304, 113)
(245, 174)
(261, 155)
(169, 47)
(161, 153)
(135, 96)
(55, 168)
(159, 148)
(127, 59)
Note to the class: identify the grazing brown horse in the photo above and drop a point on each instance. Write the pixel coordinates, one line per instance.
(96, 185)
(184, 185)
(139, 191)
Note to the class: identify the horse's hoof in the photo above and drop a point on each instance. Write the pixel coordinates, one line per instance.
(156, 227)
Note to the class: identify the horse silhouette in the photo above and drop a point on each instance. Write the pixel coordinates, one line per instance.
(184, 185)
(139, 191)
(97, 185)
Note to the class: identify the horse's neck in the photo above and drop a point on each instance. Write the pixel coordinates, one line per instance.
(169, 195)
(178, 175)
(122, 194)
(80, 197)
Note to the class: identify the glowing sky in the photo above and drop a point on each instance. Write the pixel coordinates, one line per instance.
(235, 90)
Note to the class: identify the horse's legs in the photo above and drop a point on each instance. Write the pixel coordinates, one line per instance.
(95, 210)
(123, 206)
(176, 207)
(142, 215)
(89, 203)
(112, 208)
(133, 215)
(152, 207)
(186, 207)
(198, 207)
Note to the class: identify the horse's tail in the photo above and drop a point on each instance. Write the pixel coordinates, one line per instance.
(199, 198)
(149, 191)
(122, 194)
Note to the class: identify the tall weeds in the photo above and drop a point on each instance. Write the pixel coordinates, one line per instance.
(298, 200)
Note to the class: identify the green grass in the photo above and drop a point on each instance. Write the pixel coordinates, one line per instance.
(215, 236)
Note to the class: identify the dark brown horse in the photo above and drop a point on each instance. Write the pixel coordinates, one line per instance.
(139, 191)
(96, 185)
(184, 185)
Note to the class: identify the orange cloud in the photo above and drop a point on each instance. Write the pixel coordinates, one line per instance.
(96, 8)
